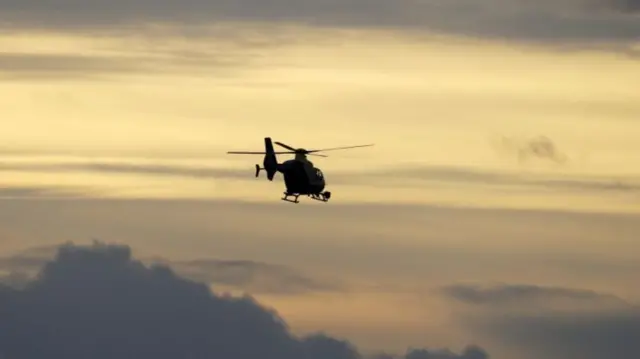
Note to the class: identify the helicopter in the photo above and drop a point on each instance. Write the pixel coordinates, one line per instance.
(301, 177)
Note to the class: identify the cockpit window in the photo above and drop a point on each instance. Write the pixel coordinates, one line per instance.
(319, 173)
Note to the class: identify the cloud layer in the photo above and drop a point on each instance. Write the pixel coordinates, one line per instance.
(575, 20)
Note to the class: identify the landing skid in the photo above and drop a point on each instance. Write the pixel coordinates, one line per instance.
(287, 195)
(322, 197)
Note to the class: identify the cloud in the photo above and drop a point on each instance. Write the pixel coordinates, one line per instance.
(541, 147)
(128, 168)
(631, 6)
(597, 335)
(528, 319)
(253, 276)
(41, 192)
(470, 352)
(548, 21)
(98, 301)
(31, 259)
(249, 276)
(103, 304)
(18, 269)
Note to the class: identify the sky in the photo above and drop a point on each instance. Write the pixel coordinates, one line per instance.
(497, 215)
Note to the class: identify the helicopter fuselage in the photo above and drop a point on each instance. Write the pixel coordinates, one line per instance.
(302, 177)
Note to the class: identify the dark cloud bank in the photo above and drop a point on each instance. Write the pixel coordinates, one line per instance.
(99, 302)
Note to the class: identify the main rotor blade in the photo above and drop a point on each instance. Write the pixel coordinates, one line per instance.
(316, 154)
(339, 148)
(285, 146)
(254, 153)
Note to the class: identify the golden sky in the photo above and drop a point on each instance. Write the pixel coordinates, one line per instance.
(427, 103)
(145, 115)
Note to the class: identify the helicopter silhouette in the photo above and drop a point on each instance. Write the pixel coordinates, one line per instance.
(301, 177)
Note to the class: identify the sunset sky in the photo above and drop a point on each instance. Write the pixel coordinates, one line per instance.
(451, 231)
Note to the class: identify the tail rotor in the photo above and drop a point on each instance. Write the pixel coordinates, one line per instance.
(270, 162)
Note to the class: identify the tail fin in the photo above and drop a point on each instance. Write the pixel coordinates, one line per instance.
(270, 162)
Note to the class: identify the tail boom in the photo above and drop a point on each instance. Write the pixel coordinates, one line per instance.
(270, 162)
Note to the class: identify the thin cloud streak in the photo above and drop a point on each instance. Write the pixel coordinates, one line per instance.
(417, 176)
(126, 168)
(469, 176)
(501, 295)
(17, 66)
